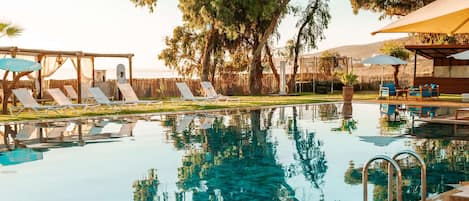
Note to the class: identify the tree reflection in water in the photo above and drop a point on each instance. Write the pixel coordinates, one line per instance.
(310, 155)
(234, 162)
(147, 188)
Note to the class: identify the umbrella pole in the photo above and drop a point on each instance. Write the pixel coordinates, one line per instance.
(382, 74)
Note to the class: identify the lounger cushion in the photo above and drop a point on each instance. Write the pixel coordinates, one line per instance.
(391, 87)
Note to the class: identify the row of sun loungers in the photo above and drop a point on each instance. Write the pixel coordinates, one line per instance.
(129, 98)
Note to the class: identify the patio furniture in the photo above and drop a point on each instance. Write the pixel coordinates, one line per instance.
(63, 101)
(211, 93)
(186, 93)
(25, 132)
(125, 130)
(206, 122)
(183, 123)
(423, 111)
(102, 99)
(130, 97)
(28, 102)
(71, 93)
(387, 90)
(425, 91)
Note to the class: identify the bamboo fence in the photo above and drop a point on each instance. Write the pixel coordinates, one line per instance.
(228, 85)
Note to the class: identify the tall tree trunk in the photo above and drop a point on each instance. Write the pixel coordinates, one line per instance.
(255, 70)
(6, 93)
(213, 70)
(299, 35)
(272, 66)
(396, 72)
(208, 47)
(7, 89)
(261, 38)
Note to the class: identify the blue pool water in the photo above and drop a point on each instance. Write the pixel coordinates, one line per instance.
(307, 152)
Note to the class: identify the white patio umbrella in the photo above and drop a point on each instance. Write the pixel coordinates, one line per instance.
(441, 16)
(383, 60)
(461, 56)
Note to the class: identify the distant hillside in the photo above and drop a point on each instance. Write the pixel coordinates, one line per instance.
(362, 50)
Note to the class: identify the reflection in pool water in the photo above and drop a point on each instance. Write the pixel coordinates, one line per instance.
(285, 153)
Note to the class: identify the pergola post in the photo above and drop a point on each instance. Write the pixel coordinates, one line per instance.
(79, 55)
(13, 75)
(415, 67)
(39, 76)
(130, 70)
(93, 74)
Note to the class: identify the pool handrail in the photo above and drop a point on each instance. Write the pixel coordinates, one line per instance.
(423, 171)
(399, 177)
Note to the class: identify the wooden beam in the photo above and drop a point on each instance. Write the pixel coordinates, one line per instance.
(39, 77)
(34, 52)
(130, 71)
(415, 67)
(93, 74)
(78, 56)
(13, 52)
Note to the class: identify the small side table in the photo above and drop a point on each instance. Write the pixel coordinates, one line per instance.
(402, 93)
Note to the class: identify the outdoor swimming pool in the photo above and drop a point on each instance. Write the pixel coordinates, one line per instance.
(307, 152)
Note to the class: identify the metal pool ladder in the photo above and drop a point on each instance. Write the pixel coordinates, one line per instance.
(392, 164)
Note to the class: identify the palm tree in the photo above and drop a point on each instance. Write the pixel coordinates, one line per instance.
(6, 29)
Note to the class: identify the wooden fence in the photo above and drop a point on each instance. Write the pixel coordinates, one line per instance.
(229, 85)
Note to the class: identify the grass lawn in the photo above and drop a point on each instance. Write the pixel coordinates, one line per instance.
(246, 101)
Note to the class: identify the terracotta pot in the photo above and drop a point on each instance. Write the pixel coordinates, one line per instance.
(347, 93)
(347, 110)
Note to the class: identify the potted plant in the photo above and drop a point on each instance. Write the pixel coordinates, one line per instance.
(348, 79)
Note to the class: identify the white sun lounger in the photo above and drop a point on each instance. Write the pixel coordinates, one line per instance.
(125, 130)
(72, 94)
(28, 102)
(130, 97)
(102, 99)
(25, 132)
(211, 93)
(207, 122)
(186, 93)
(183, 124)
(63, 101)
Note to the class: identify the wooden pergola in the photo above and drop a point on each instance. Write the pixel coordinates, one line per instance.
(450, 83)
(39, 54)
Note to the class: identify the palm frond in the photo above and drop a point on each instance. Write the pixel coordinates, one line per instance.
(3, 26)
(13, 31)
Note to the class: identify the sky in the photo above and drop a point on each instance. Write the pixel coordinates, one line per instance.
(117, 26)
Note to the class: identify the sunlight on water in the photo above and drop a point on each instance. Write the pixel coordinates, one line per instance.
(307, 152)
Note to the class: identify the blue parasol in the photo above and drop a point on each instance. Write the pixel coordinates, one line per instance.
(384, 60)
(18, 156)
(19, 65)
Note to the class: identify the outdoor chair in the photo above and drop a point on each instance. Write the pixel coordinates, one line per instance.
(130, 97)
(186, 93)
(387, 90)
(28, 102)
(211, 93)
(72, 94)
(25, 132)
(102, 99)
(206, 122)
(425, 91)
(183, 123)
(125, 130)
(63, 101)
